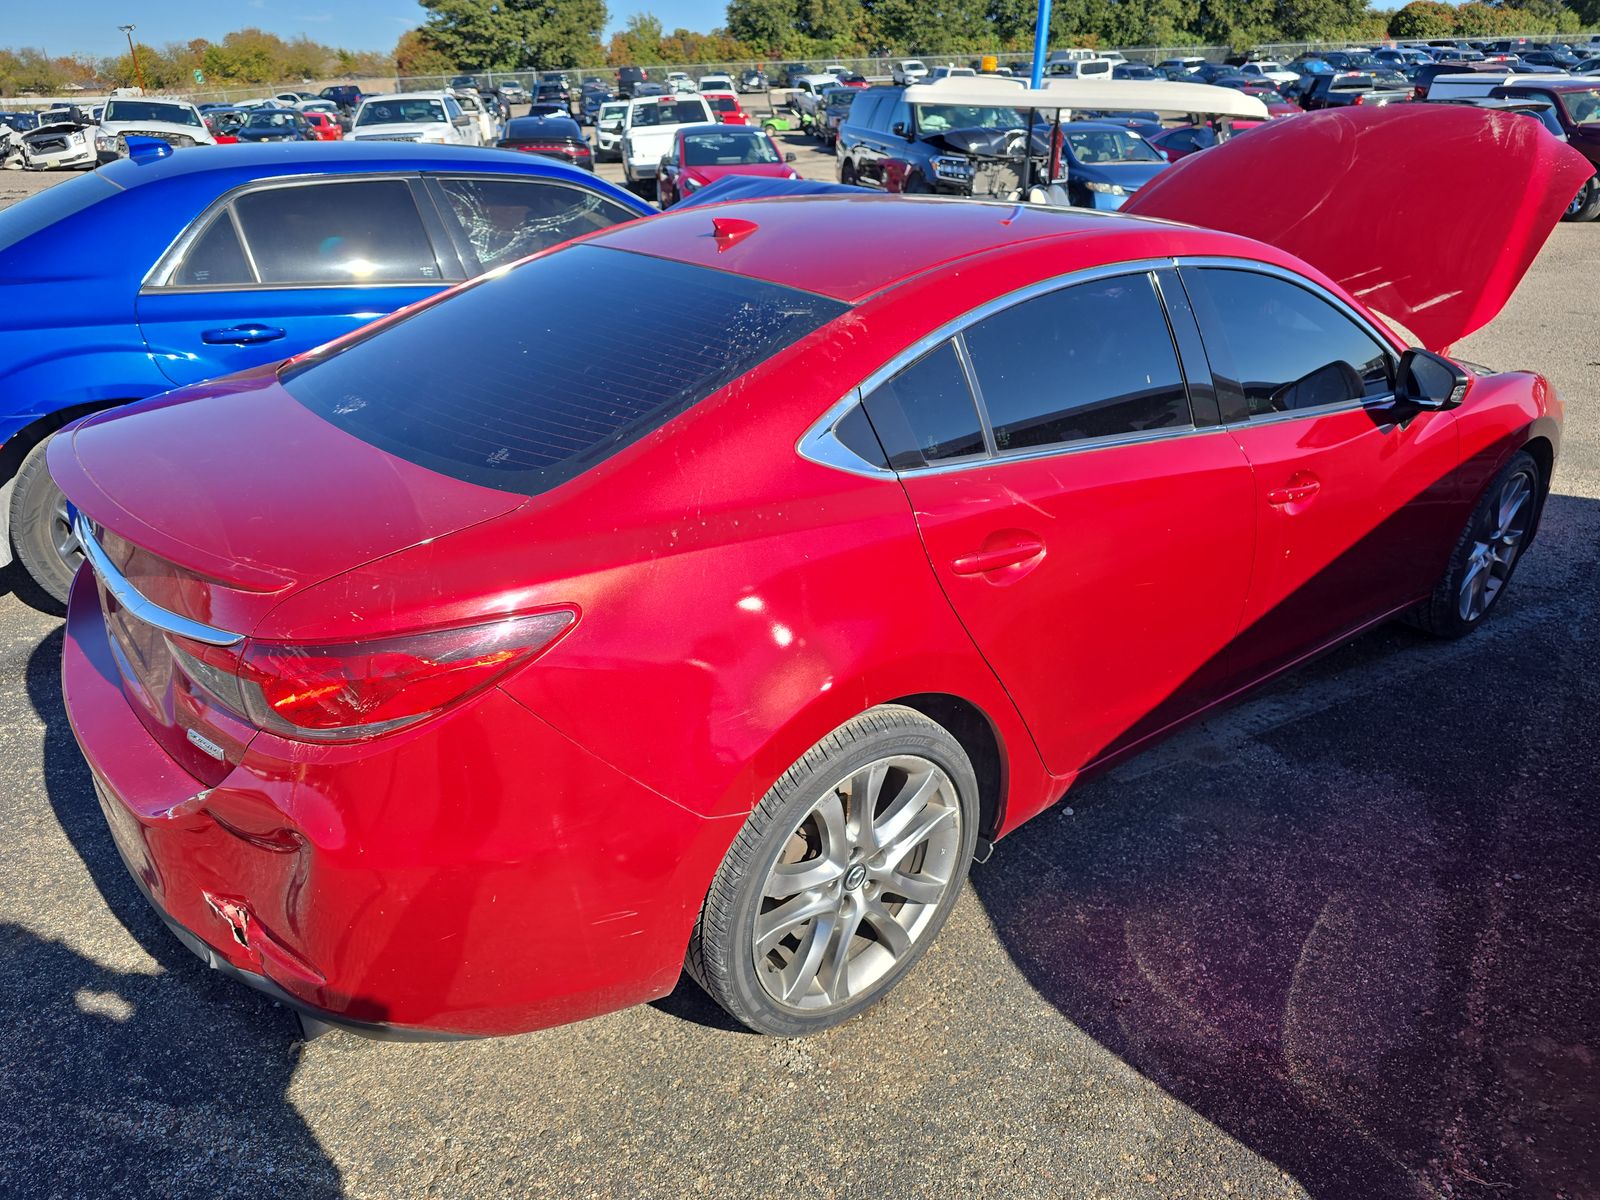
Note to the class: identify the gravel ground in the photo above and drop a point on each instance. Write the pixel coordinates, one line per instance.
(1338, 941)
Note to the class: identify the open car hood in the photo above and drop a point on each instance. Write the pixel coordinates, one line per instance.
(1429, 214)
(988, 143)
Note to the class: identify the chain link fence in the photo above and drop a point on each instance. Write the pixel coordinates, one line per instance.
(880, 66)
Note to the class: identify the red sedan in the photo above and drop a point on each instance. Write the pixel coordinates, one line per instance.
(702, 154)
(726, 108)
(327, 126)
(450, 680)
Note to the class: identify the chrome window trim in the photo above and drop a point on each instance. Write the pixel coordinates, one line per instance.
(818, 444)
(134, 602)
(1059, 449)
(1384, 338)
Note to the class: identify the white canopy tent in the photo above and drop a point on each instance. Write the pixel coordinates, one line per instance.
(1093, 95)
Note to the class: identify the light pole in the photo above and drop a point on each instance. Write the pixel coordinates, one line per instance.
(138, 71)
(1041, 42)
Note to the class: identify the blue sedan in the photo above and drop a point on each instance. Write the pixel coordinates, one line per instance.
(1106, 162)
(165, 268)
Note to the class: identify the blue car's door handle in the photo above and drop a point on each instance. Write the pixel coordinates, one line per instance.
(241, 335)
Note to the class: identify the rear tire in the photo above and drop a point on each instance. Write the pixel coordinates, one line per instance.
(1487, 552)
(842, 876)
(1585, 205)
(847, 173)
(41, 536)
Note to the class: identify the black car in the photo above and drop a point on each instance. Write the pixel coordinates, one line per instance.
(1550, 58)
(276, 125)
(1210, 72)
(752, 81)
(592, 100)
(553, 93)
(346, 95)
(1350, 88)
(464, 81)
(1134, 70)
(556, 137)
(955, 150)
(628, 80)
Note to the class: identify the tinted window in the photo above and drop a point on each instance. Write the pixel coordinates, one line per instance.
(1094, 360)
(508, 219)
(1281, 346)
(502, 385)
(215, 258)
(337, 233)
(925, 413)
(681, 112)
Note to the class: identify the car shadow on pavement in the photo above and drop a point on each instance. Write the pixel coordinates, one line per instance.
(129, 1083)
(1353, 922)
(16, 580)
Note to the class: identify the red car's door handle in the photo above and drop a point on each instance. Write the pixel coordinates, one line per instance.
(1001, 556)
(1295, 490)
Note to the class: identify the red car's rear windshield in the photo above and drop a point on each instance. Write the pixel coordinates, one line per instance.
(523, 381)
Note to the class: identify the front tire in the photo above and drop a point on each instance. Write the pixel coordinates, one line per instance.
(842, 876)
(41, 533)
(1585, 205)
(1487, 552)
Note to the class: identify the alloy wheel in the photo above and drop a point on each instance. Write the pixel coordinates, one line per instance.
(859, 881)
(1579, 200)
(1496, 544)
(62, 535)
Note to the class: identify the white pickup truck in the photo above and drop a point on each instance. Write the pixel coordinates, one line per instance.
(648, 129)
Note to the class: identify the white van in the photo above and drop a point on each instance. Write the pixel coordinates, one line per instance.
(1081, 68)
(1478, 83)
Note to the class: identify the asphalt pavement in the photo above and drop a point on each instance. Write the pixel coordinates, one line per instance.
(1338, 941)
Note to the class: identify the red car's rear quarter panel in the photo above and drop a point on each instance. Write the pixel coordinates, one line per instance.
(481, 873)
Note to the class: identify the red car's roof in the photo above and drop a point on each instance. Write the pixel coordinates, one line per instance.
(849, 247)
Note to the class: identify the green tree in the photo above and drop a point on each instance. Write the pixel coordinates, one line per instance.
(501, 35)
(766, 25)
(639, 41)
(416, 54)
(1477, 19)
(1423, 19)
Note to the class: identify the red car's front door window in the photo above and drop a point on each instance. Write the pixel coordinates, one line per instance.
(1355, 513)
(1100, 560)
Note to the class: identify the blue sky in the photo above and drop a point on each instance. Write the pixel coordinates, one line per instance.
(90, 26)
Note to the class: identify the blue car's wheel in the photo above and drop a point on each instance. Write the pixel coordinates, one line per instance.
(41, 530)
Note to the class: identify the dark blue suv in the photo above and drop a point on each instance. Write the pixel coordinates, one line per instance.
(886, 142)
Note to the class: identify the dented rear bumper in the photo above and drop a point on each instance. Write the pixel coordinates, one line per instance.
(479, 874)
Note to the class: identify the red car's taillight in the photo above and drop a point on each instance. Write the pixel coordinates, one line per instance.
(361, 689)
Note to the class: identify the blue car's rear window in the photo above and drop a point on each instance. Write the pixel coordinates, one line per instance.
(525, 380)
(27, 217)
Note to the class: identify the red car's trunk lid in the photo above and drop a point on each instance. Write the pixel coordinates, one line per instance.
(216, 503)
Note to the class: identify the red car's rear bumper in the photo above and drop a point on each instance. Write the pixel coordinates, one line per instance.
(481, 874)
